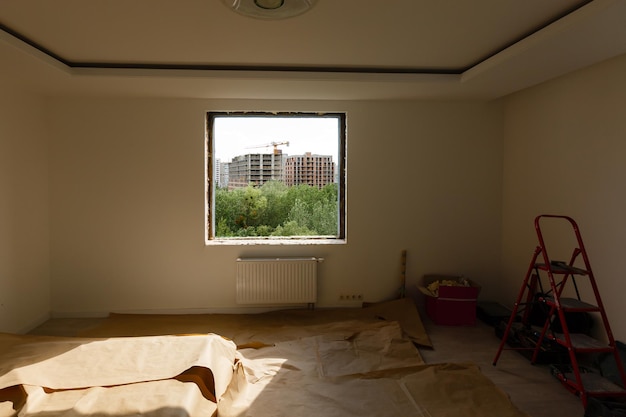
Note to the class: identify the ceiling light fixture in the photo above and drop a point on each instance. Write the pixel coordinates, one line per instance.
(269, 4)
(270, 9)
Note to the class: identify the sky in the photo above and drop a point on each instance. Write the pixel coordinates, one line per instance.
(249, 135)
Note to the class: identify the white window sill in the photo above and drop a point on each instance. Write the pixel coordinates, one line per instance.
(274, 242)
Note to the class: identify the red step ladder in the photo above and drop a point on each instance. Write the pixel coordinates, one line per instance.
(561, 274)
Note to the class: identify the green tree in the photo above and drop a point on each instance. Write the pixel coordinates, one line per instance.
(222, 228)
(307, 194)
(276, 210)
(252, 205)
(226, 211)
(299, 213)
(324, 218)
(292, 228)
(238, 209)
(278, 205)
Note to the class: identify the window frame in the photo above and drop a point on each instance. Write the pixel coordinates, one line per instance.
(210, 183)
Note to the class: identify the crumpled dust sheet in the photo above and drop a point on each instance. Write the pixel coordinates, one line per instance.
(312, 366)
(157, 375)
(371, 373)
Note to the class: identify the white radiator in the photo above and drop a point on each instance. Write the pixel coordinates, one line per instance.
(277, 280)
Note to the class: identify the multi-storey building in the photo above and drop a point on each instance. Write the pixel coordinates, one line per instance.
(255, 169)
(217, 171)
(313, 170)
(221, 173)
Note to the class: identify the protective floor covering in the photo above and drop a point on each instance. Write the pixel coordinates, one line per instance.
(361, 362)
(44, 376)
(266, 327)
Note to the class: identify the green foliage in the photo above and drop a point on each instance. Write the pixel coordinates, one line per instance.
(292, 228)
(278, 205)
(276, 210)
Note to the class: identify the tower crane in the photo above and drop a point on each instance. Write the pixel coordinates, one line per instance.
(274, 144)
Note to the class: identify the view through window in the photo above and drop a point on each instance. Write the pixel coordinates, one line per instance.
(275, 175)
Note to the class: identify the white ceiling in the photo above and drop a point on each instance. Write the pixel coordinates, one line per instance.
(340, 49)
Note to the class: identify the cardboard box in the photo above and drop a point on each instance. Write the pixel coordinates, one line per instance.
(453, 305)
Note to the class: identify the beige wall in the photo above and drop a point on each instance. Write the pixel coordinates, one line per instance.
(564, 153)
(24, 234)
(127, 202)
(460, 186)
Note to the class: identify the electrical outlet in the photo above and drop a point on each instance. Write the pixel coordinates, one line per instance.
(351, 297)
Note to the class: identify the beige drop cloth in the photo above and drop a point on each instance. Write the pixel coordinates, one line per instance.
(121, 376)
(343, 363)
(439, 390)
(166, 398)
(373, 373)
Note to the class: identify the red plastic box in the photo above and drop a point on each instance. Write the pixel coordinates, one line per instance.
(454, 306)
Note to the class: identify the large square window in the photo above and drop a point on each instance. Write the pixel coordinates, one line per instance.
(275, 177)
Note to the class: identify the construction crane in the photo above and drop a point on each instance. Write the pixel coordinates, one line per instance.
(274, 144)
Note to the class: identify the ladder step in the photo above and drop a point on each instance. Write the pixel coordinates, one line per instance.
(582, 343)
(593, 384)
(561, 268)
(571, 304)
(597, 384)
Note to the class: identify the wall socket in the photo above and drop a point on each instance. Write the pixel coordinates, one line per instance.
(351, 297)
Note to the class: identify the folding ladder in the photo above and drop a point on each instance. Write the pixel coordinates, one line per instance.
(576, 379)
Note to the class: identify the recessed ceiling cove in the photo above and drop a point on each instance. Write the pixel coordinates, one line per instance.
(354, 36)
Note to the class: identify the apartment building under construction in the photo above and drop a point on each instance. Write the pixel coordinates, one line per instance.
(313, 170)
(257, 169)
